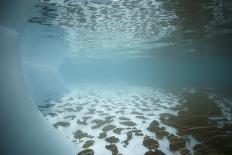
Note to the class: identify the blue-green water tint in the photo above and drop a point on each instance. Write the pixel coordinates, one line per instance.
(86, 58)
(145, 42)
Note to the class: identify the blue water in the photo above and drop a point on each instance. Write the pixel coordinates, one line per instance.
(84, 51)
(143, 42)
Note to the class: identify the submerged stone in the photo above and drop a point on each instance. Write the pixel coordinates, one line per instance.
(176, 143)
(159, 131)
(137, 132)
(222, 142)
(153, 125)
(150, 143)
(200, 149)
(196, 121)
(113, 148)
(156, 152)
(185, 151)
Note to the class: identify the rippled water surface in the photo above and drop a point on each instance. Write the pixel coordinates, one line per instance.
(133, 77)
(136, 27)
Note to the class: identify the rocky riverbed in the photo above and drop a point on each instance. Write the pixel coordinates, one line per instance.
(143, 120)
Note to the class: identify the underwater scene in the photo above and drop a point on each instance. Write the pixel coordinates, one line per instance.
(133, 77)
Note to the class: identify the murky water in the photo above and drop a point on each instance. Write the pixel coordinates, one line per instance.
(133, 77)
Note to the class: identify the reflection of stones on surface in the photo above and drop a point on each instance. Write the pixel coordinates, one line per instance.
(86, 152)
(112, 139)
(128, 123)
(84, 120)
(76, 109)
(62, 124)
(88, 143)
(60, 111)
(52, 114)
(141, 117)
(113, 148)
(100, 111)
(91, 111)
(72, 117)
(136, 113)
(46, 106)
(150, 143)
(96, 101)
(65, 105)
(79, 135)
(103, 114)
(109, 119)
(70, 99)
(124, 118)
(120, 112)
(118, 130)
(98, 123)
(72, 14)
(145, 109)
(102, 135)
